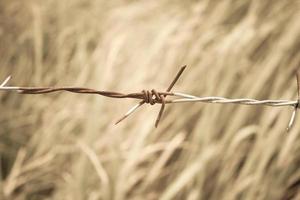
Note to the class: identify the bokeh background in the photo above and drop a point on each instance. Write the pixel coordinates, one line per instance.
(66, 146)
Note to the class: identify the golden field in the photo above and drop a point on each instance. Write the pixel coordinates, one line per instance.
(65, 146)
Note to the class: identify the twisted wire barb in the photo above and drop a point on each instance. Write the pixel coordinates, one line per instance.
(153, 97)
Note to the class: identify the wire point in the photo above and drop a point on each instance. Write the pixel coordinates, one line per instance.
(5, 81)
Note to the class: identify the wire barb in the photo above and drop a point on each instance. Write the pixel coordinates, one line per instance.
(296, 106)
(163, 96)
(5, 81)
(159, 98)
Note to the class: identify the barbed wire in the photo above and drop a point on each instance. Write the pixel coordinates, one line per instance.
(155, 97)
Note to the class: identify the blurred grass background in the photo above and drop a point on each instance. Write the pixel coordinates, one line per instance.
(65, 146)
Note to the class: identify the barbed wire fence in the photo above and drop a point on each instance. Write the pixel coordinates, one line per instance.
(156, 97)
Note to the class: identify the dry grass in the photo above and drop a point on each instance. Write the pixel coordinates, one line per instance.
(65, 146)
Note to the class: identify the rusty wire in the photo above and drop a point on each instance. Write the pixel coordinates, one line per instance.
(153, 97)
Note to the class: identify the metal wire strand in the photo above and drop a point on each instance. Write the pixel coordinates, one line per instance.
(221, 100)
(154, 97)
